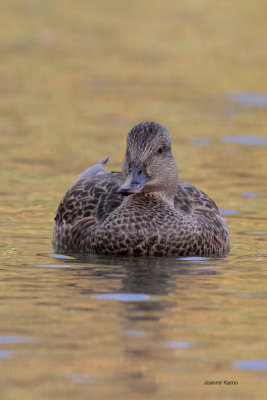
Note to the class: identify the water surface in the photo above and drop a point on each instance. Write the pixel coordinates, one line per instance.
(74, 78)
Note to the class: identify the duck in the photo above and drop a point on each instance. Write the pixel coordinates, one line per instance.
(145, 210)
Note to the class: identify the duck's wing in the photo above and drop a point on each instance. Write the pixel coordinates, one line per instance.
(212, 227)
(192, 200)
(91, 198)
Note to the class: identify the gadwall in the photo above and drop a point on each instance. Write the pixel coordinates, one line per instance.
(143, 210)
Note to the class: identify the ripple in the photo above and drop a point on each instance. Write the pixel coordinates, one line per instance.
(17, 339)
(252, 365)
(245, 140)
(6, 354)
(201, 141)
(228, 212)
(61, 256)
(257, 100)
(199, 259)
(124, 297)
(254, 233)
(249, 194)
(53, 266)
(251, 295)
(135, 332)
(213, 267)
(174, 344)
(228, 111)
(80, 378)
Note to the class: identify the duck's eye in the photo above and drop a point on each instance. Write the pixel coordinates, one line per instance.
(160, 150)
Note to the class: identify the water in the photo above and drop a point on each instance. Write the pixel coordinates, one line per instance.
(74, 79)
(254, 365)
(249, 99)
(245, 140)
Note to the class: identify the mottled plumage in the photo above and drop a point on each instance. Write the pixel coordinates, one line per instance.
(160, 216)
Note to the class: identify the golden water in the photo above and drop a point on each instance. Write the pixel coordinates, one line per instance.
(74, 77)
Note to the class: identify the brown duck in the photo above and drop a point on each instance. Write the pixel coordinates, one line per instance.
(143, 210)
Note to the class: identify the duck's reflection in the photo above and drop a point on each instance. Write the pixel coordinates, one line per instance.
(148, 290)
(141, 281)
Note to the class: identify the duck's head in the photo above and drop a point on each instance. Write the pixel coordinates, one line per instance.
(149, 166)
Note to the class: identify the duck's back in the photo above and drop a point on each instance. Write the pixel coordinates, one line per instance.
(87, 203)
(93, 200)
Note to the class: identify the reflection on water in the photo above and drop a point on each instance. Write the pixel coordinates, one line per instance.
(6, 354)
(124, 297)
(228, 212)
(253, 365)
(245, 139)
(254, 233)
(61, 256)
(135, 332)
(74, 79)
(16, 339)
(249, 194)
(258, 100)
(52, 266)
(78, 378)
(201, 141)
(177, 345)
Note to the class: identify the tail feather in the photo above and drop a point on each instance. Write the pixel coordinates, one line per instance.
(90, 172)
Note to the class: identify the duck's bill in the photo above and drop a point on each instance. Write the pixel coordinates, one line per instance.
(135, 182)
